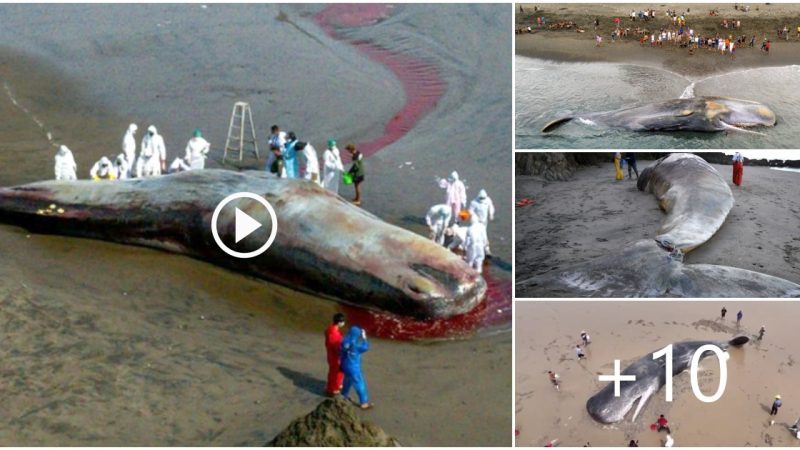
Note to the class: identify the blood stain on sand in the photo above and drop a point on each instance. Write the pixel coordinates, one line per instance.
(423, 87)
(493, 312)
(421, 81)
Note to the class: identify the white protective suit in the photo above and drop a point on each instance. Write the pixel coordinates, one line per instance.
(483, 208)
(196, 152)
(332, 169)
(153, 152)
(456, 193)
(129, 147)
(65, 167)
(312, 164)
(458, 235)
(103, 170)
(121, 167)
(178, 165)
(438, 218)
(475, 244)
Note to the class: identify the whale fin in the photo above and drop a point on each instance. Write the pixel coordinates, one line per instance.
(643, 401)
(735, 128)
(553, 124)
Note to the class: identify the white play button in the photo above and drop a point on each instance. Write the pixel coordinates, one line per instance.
(244, 225)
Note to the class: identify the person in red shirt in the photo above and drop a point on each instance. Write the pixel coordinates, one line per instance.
(333, 346)
(662, 424)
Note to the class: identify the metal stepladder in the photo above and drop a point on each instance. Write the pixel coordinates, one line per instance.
(239, 116)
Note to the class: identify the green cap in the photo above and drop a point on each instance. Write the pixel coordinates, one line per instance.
(198, 132)
(331, 142)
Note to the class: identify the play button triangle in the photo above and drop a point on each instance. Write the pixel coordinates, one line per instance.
(244, 225)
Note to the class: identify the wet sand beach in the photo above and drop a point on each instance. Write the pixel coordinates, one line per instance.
(568, 45)
(591, 215)
(118, 345)
(547, 333)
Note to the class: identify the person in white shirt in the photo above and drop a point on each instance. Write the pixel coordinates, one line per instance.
(197, 150)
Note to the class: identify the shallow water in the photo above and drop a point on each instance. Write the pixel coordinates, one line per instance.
(546, 90)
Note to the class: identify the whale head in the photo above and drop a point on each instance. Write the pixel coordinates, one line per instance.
(729, 112)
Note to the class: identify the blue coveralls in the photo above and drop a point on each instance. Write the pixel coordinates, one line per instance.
(352, 348)
(290, 160)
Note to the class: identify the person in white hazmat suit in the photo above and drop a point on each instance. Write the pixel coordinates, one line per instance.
(438, 218)
(475, 244)
(456, 194)
(129, 148)
(121, 167)
(332, 168)
(311, 160)
(197, 151)
(65, 167)
(153, 155)
(178, 165)
(103, 170)
(483, 208)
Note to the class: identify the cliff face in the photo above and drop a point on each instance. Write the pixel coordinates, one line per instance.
(554, 166)
(334, 423)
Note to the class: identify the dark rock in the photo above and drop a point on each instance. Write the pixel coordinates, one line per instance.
(334, 423)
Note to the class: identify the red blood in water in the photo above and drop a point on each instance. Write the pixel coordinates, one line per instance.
(493, 312)
(420, 80)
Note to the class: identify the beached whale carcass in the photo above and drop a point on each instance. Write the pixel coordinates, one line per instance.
(697, 201)
(324, 245)
(692, 193)
(650, 374)
(706, 114)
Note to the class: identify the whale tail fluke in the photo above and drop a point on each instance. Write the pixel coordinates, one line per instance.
(739, 340)
(553, 124)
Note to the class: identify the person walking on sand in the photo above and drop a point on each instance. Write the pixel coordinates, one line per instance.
(356, 171)
(669, 442)
(579, 352)
(617, 168)
(723, 312)
(738, 168)
(630, 158)
(739, 316)
(761, 333)
(353, 346)
(333, 347)
(585, 338)
(633, 443)
(777, 403)
(553, 379)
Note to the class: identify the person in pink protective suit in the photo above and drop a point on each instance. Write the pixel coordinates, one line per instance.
(456, 194)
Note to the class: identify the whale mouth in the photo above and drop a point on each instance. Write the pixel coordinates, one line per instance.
(442, 294)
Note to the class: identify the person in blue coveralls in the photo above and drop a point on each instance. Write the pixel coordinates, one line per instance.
(353, 345)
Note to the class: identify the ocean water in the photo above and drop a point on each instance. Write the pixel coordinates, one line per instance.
(546, 90)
